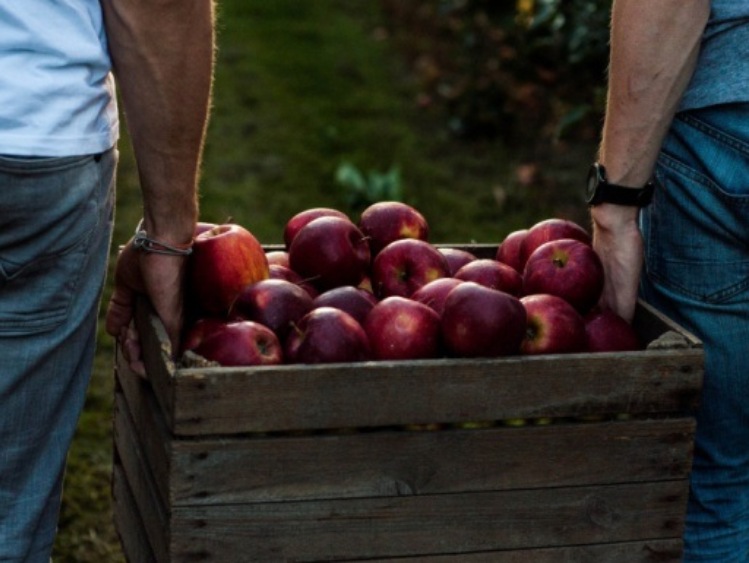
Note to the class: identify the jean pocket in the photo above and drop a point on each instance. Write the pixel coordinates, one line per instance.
(36, 296)
(50, 214)
(696, 236)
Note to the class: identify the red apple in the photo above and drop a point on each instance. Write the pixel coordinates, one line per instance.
(509, 250)
(279, 257)
(355, 301)
(405, 265)
(234, 343)
(327, 335)
(608, 332)
(554, 326)
(548, 230)
(330, 252)
(278, 272)
(435, 292)
(456, 258)
(387, 221)
(198, 330)
(403, 329)
(224, 260)
(492, 273)
(567, 268)
(295, 224)
(277, 304)
(478, 321)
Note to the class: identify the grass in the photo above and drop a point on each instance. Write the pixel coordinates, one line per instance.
(300, 88)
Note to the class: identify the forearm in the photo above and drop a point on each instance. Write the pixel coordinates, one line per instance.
(162, 53)
(654, 47)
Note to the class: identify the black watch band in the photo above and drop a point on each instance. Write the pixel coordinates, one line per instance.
(599, 190)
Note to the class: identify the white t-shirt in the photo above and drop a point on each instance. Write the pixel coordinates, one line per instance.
(57, 93)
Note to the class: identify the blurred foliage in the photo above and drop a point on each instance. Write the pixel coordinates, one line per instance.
(362, 190)
(534, 69)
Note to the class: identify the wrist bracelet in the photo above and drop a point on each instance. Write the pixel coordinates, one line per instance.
(142, 242)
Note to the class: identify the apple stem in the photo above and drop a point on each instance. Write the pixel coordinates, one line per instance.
(559, 260)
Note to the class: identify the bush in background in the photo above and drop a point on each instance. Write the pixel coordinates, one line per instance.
(535, 69)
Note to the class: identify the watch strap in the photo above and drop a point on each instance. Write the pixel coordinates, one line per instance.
(601, 191)
(621, 195)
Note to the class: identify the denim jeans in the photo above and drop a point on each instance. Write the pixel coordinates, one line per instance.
(696, 235)
(56, 219)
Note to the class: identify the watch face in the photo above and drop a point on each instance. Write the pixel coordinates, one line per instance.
(598, 190)
(593, 180)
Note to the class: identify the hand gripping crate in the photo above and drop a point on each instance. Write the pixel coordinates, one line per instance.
(555, 458)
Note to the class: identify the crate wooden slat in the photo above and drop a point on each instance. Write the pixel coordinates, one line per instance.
(405, 522)
(388, 463)
(642, 551)
(128, 520)
(663, 550)
(204, 401)
(320, 463)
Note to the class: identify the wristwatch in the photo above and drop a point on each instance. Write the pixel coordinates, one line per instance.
(600, 191)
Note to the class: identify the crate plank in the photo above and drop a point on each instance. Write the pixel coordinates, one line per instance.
(133, 537)
(138, 416)
(432, 524)
(449, 523)
(218, 524)
(399, 462)
(204, 401)
(222, 401)
(651, 551)
(151, 507)
(156, 351)
(415, 463)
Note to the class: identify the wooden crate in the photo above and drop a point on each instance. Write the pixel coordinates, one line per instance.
(325, 463)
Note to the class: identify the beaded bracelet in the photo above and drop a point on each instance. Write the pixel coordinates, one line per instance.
(142, 242)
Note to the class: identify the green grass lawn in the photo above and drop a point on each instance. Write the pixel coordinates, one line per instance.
(302, 87)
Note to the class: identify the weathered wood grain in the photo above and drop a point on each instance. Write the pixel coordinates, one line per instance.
(371, 394)
(128, 522)
(652, 551)
(205, 401)
(157, 355)
(398, 462)
(153, 513)
(430, 524)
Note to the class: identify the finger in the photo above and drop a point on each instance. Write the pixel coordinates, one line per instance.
(119, 310)
(129, 341)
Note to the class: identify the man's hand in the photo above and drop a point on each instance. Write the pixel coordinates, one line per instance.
(618, 242)
(159, 278)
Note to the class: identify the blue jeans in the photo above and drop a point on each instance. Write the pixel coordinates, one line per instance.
(696, 236)
(56, 219)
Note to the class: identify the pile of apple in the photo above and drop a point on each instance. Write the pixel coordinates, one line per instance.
(376, 289)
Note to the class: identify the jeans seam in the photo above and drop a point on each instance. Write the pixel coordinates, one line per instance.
(42, 165)
(720, 296)
(717, 134)
(665, 160)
